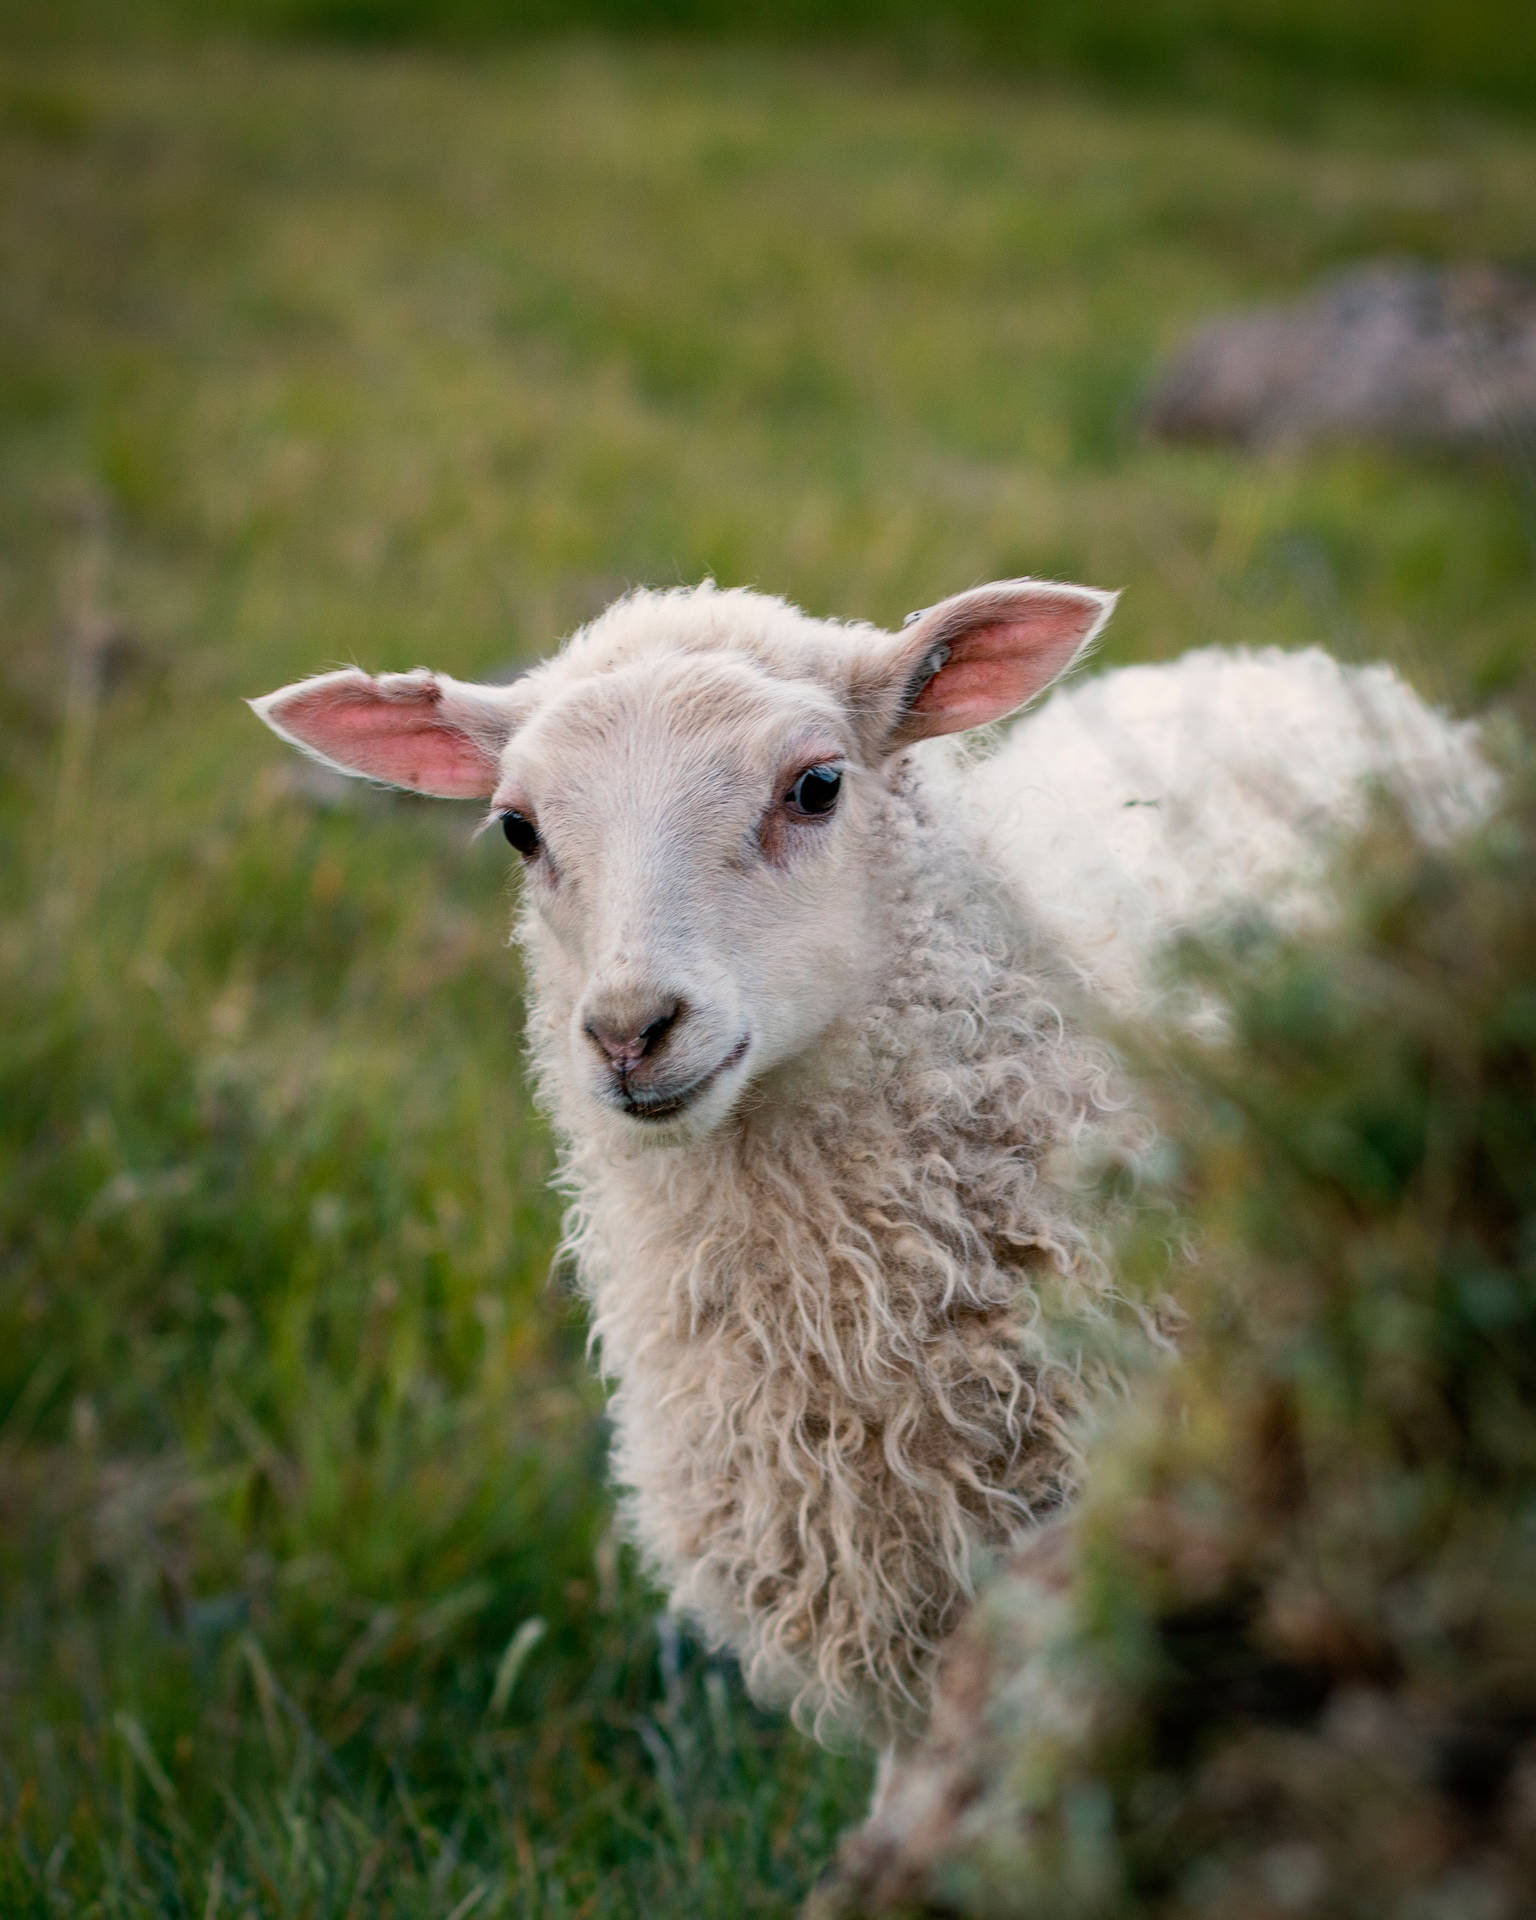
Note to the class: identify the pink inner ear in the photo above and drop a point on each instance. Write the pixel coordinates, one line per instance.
(394, 732)
(985, 677)
(999, 663)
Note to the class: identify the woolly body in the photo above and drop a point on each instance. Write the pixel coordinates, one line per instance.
(1157, 798)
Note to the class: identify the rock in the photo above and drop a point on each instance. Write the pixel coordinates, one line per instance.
(1392, 352)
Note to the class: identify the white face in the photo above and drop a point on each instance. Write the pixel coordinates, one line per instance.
(694, 862)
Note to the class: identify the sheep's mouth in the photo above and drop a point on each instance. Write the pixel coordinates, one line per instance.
(666, 1106)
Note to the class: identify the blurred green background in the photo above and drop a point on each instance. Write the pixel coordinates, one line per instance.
(1479, 49)
(341, 330)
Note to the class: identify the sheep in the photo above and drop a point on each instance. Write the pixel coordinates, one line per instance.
(800, 964)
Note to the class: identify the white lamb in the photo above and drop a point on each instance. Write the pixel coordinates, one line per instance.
(797, 968)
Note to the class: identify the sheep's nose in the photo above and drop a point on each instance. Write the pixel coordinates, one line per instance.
(626, 1037)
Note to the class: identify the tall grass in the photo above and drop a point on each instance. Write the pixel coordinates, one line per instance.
(308, 356)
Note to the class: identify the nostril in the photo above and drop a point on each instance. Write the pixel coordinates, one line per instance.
(651, 1037)
(625, 1042)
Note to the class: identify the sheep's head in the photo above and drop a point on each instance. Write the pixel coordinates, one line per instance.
(693, 785)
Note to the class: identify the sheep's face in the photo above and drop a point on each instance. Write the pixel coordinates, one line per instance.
(695, 834)
(694, 786)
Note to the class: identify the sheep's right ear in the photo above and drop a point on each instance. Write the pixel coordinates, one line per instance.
(419, 730)
(977, 656)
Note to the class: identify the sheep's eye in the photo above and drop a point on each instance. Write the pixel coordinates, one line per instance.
(522, 833)
(816, 790)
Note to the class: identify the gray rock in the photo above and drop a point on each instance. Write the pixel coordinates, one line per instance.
(1392, 352)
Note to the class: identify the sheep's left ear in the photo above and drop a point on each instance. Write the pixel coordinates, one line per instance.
(419, 730)
(980, 655)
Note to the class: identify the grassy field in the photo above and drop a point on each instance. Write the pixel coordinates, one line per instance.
(311, 1604)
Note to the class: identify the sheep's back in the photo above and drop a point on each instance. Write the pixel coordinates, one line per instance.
(1150, 799)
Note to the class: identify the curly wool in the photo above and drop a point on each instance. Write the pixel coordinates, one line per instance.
(826, 1326)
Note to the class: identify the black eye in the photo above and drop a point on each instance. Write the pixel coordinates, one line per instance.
(522, 833)
(816, 790)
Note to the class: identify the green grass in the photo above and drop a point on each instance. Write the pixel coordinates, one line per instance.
(308, 357)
